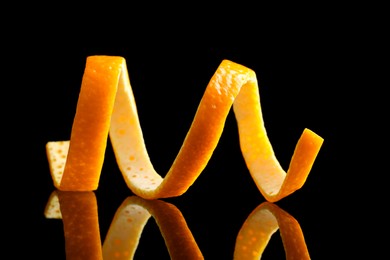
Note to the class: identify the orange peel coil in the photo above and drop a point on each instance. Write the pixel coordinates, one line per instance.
(106, 107)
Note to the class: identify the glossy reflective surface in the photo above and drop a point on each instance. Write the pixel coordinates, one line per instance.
(218, 212)
(78, 211)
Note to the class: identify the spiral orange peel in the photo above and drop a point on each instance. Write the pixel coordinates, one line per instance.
(106, 107)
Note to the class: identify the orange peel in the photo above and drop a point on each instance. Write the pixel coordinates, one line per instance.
(106, 106)
(261, 224)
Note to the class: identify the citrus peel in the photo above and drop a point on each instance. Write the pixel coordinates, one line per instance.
(261, 224)
(106, 106)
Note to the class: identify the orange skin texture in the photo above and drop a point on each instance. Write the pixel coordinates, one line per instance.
(91, 124)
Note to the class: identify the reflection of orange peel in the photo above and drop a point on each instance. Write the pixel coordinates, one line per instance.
(79, 214)
(106, 105)
(78, 211)
(130, 219)
(261, 224)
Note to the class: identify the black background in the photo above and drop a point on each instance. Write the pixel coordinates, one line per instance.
(306, 68)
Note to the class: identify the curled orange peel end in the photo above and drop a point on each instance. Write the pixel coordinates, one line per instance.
(106, 107)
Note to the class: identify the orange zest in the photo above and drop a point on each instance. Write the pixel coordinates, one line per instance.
(78, 211)
(106, 107)
(261, 224)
